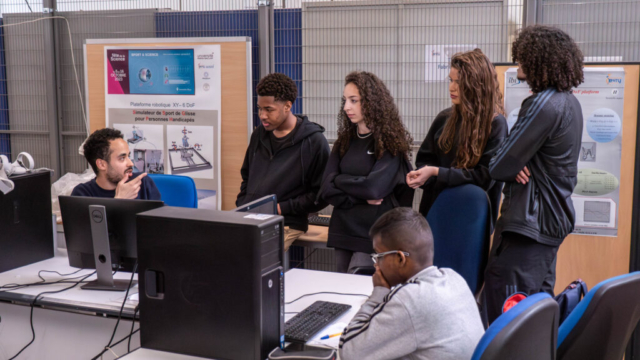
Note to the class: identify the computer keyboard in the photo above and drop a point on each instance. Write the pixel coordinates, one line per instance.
(307, 323)
(319, 220)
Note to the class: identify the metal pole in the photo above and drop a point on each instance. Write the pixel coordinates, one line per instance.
(57, 47)
(52, 91)
(265, 37)
(530, 13)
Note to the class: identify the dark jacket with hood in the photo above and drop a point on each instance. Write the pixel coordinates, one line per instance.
(293, 173)
(546, 139)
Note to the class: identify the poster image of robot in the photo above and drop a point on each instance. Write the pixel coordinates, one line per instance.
(190, 150)
(145, 144)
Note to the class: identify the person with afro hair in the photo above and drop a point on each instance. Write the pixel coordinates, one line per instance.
(538, 161)
(286, 156)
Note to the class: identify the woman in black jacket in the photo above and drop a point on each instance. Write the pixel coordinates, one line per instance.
(367, 167)
(463, 138)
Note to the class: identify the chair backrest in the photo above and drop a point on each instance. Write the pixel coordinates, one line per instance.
(526, 332)
(460, 221)
(176, 190)
(602, 323)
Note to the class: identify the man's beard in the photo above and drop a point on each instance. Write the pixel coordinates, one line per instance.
(114, 177)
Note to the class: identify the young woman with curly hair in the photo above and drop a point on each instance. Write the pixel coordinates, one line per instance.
(538, 162)
(365, 174)
(463, 138)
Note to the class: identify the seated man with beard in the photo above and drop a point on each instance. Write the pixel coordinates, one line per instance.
(108, 154)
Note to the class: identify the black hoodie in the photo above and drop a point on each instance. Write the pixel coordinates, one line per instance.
(293, 173)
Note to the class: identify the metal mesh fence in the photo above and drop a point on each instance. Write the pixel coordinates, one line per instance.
(605, 30)
(26, 84)
(405, 43)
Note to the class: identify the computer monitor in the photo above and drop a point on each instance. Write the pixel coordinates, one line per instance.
(101, 234)
(264, 205)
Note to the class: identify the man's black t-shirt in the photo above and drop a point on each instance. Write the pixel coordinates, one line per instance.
(148, 190)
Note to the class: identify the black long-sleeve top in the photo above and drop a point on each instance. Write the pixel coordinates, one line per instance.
(348, 182)
(448, 176)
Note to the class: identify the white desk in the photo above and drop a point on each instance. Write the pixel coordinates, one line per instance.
(67, 327)
(65, 324)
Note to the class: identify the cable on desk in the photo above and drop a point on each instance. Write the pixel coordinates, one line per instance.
(33, 332)
(117, 343)
(324, 292)
(55, 272)
(126, 296)
(135, 311)
(15, 286)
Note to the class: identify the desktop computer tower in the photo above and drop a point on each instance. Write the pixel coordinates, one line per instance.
(211, 282)
(26, 223)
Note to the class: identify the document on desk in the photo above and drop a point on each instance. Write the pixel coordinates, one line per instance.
(333, 342)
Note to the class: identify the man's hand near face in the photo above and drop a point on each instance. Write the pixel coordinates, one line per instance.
(129, 190)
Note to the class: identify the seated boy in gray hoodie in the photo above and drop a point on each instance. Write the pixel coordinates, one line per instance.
(416, 311)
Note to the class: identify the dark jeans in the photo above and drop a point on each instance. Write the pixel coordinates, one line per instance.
(517, 264)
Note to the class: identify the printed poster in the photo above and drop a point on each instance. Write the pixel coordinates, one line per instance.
(596, 197)
(166, 102)
(438, 60)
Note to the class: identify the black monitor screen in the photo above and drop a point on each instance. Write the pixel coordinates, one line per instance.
(121, 222)
(265, 205)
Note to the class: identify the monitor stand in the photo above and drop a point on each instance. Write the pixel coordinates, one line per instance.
(102, 253)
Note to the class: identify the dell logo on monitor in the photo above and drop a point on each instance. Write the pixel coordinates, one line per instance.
(96, 216)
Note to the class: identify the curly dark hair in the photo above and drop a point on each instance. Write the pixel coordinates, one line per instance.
(549, 58)
(98, 144)
(380, 115)
(280, 86)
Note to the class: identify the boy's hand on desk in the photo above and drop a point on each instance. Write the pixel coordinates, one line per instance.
(129, 190)
(379, 280)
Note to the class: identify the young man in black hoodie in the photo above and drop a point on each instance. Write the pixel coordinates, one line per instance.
(286, 157)
(538, 161)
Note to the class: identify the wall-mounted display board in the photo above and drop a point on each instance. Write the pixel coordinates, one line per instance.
(184, 105)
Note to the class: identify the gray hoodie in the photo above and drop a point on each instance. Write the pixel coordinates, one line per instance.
(432, 316)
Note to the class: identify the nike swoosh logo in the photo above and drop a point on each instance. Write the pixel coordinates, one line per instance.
(370, 153)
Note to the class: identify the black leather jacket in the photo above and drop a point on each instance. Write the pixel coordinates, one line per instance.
(546, 139)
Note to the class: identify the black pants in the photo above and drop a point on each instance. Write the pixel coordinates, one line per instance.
(517, 264)
(347, 261)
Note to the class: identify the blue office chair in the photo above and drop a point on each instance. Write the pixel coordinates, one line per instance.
(602, 323)
(176, 190)
(528, 331)
(460, 220)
